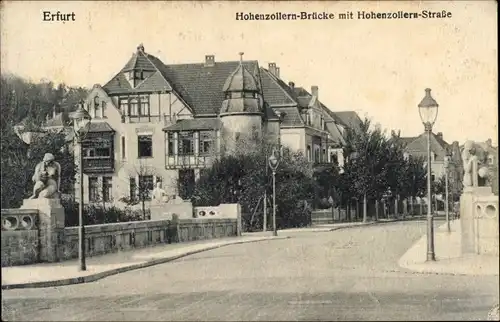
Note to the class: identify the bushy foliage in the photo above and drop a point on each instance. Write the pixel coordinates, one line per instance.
(96, 214)
(244, 175)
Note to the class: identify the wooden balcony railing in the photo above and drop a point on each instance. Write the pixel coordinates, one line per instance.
(98, 164)
(187, 161)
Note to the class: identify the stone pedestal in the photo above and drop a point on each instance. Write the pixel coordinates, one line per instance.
(470, 219)
(51, 223)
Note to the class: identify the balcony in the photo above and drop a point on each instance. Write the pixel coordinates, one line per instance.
(98, 164)
(188, 161)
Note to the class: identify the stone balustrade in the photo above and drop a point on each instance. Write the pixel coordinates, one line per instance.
(20, 236)
(26, 241)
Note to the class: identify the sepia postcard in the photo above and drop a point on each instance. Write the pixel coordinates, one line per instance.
(249, 160)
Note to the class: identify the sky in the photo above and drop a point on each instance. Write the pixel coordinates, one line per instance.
(378, 68)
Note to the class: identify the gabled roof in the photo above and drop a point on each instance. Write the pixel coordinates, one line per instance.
(350, 118)
(291, 116)
(276, 92)
(60, 120)
(139, 61)
(195, 124)
(201, 86)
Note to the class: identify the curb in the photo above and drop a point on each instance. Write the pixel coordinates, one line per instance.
(366, 224)
(101, 275)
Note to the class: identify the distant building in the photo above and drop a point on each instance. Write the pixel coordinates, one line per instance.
(417, 146)
(156, 122)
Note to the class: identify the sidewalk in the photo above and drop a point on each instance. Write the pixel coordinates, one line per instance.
(449, 259)
(98, 267)
(320, 228)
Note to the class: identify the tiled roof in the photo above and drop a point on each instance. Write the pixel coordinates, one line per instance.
(99, 127)
(195, 124)
(60, 119)
(201, 86)
(276, 92)
(270, 114)
(140, 61)
(291, 116)
(408, 140)
(240, 80)
(350, 118)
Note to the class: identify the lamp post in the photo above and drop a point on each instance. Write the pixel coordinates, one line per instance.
(273, 164)
(446, 164)
(79, 116)
(428, 110)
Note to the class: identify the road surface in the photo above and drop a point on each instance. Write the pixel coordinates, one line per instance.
(349, 274)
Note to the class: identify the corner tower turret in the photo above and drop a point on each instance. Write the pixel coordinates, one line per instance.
(242, 109)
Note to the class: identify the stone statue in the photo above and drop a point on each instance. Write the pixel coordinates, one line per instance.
(474, 174)
(47, 178)
(159, 194)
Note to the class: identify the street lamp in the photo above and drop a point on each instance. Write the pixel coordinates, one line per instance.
(446, 165)
(428, 110)
(81, 130)
(273, 164)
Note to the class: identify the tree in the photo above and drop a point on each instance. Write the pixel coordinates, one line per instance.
(142, 188)
(19, 161)
(240, 176)
(366, 163)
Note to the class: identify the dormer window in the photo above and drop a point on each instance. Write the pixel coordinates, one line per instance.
(138, 74)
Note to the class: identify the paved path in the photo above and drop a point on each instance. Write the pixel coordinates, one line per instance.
(348, 274)
(449, 258)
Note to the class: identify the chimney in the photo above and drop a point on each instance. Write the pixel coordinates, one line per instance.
(272, 68)
(440, 135)
(209, 60)
(314, 90)
(291, 84)
(277, 72)
(140, 48)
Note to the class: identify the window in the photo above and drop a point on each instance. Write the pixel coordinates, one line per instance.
(138, 74)
(133, 107)
(133, 189)
(144, 105)
(323, 155)
(433, 177)
(97, 112)
(308, 119)
(490, 159)
(316, 154)
(186, 143)
(93, 189)
(309, 153)
(206, 139)
(145, 187)
(103, 105)
(249, 95)
(123, 103)
(131, 75)
(124, 155)
(107, 185)
(171, 143)
(145, 146)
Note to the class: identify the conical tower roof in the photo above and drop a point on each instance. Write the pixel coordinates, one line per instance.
(241, 80)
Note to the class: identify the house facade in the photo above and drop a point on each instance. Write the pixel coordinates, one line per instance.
(417, 146)
(153, 122)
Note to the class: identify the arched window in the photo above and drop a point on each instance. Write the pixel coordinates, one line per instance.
(97, 106)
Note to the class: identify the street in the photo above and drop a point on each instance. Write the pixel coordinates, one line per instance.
(348, 274)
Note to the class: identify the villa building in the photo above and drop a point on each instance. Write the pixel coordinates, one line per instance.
(158, 122)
